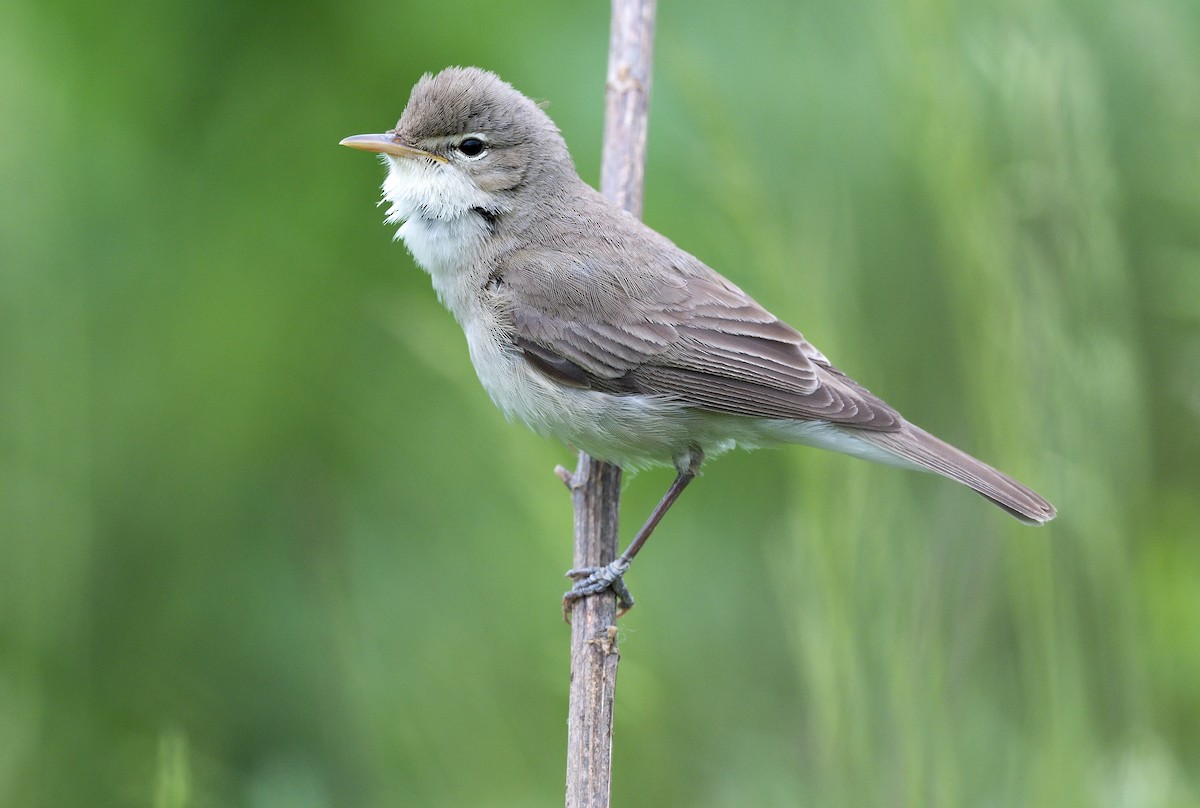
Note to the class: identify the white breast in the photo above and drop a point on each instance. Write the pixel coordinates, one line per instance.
(433, 204)
(446, 249)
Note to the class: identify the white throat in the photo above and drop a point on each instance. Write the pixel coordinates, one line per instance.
(433, 204)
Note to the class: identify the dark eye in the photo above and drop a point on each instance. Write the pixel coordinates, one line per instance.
(472, 146)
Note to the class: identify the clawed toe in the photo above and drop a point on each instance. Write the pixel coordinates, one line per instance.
(593, 580)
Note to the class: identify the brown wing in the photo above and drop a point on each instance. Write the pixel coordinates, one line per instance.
(684, 333)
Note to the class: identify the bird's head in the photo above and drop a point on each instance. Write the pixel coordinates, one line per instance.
(466, 140)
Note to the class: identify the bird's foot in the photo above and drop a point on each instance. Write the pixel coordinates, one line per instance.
(593, 580)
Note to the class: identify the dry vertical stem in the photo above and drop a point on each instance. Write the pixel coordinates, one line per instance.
(595, 492)
(596, 486)
(626, 103)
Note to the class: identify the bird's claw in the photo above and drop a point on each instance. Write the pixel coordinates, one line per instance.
(593, 580)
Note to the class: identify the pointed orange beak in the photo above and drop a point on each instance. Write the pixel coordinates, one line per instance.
(387, 144)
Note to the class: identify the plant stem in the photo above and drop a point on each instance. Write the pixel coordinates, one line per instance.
(596, 486)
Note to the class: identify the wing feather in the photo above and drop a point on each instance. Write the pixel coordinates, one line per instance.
(695, 338)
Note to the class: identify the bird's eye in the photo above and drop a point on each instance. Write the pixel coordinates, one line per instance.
(471, 147)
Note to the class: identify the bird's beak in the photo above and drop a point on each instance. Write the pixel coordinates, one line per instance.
(387, 144)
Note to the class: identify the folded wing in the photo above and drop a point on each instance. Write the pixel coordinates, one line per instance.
(691, 336)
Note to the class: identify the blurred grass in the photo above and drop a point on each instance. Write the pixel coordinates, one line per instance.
(265, 542)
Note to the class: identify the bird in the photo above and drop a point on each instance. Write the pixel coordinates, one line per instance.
(592, 328)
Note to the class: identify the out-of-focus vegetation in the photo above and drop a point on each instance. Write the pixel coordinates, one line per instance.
(265, 542)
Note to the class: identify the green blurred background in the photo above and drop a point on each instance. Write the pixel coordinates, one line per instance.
(265, 542)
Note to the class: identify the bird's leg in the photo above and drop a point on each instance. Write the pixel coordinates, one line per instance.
(591, 580)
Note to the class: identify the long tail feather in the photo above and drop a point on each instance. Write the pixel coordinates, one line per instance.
(919, 447)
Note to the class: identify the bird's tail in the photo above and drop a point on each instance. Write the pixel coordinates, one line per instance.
(917, 446)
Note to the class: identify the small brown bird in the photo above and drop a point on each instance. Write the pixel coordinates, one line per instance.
(594, 329)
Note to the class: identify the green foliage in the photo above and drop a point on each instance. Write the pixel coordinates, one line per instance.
(264, 541)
